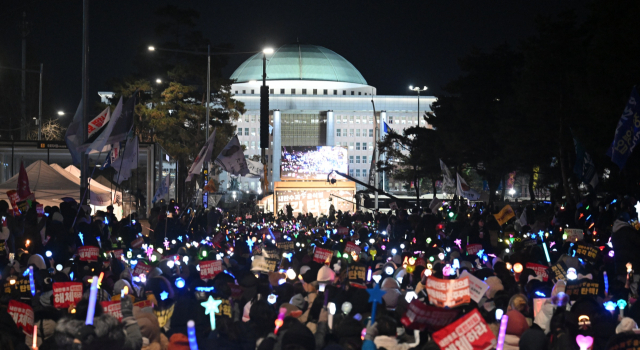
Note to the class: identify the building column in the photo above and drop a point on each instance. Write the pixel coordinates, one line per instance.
(331, 129)
(277, 146)
(383, 119)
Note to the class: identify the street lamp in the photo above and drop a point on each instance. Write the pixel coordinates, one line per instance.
(158, 81)
(418, 90)
(61, 113)
(151, 48)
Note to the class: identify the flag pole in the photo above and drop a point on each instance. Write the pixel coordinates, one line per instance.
(85, 94)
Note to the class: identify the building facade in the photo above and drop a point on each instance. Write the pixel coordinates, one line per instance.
(317, 98)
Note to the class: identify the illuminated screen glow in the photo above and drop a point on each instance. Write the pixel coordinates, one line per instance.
(314, 201)
(312, 162)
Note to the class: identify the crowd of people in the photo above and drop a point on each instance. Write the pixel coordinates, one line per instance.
(454, 275)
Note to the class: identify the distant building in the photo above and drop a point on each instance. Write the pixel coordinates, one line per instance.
(317, 98)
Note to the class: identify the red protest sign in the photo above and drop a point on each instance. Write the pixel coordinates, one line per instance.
(473, 249)
(141, 269)
(88, 253)
(343, 231)
(352, 247)
(540, 270)
(448, 293)
(209, 269)
(420, 316)
(22, 315)
(469, 332)
(113, 308)
(217, 238)
(40, 210)
(117, 253)
(321, 255)
(143, 304)
(66, 294)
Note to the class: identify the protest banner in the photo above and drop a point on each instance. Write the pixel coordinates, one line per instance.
(141, 269)
(209, 269)
(558, 272)
(22, 315)
(286, 246)
(540, 270)
(143, 304)
(344, 231)
(321, 255)
(477, 287)
(473, 249)
(66, 294)
(582, 288)
(504, 215)
(587, 252)
(420, 316)
(468, 332)
(574, 234)
(352, 247)
(448, 293)
(357, 273)
(113, 308)
(88, 253)
(117, 253)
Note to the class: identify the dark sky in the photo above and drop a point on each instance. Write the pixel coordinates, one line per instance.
(393, 43)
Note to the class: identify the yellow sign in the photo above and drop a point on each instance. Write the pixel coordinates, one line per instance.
(504, 215)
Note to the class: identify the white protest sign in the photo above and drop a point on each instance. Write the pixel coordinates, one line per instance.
(477, 287)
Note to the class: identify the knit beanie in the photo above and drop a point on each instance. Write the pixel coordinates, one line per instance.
(627, 324)
(517, 323)
(178, 341)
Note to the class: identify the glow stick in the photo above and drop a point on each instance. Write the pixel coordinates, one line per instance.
(34, 345)
(279, 320)
(606, 284)
(546, 253)
(124, 291)
(191, 334)
(503, 332)
(584, 342)
(332, 311)
(93, 294)
(31, 282)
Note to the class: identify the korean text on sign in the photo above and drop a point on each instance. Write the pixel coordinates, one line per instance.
(469, 332)
(66, 294)
(209, 269)
(448, 293)
(321, 255)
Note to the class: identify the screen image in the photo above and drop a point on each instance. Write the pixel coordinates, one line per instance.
(314, 201)
(312, 162)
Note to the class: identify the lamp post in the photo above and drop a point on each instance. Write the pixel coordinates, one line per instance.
(24, 70)
(264, 117)
(418, 90)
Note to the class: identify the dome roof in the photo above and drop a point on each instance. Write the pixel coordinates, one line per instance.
(300, 62)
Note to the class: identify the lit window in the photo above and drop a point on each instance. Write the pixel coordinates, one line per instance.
(253, 131)
(371, 145)
(403, 119)
(246, 131)
(338, 132)
(246, 118)
(350, 119)
(357, 146)
(350, 145)
(351, 159)
(357, 119)
(357, 132)
(357, 159)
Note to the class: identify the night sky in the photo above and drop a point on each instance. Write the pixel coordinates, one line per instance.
(393, 44)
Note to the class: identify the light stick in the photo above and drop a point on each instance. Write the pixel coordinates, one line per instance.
(375, 297)
(279, 320)
(211, 307)
(34, 345)
(332, 311)
(503, 332)
(546, 253)
(31, 282)
(124, 291)
(93, 294)
(606, 284)
(621, 305)
(584, 342)
(191, 334)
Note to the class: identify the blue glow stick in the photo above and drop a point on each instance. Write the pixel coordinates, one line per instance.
(31, 282)
(191, 334)
(546, 252)
(606, 284)
(81, 237)
(93, 295)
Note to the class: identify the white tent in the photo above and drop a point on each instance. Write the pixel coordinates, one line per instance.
(50, 186)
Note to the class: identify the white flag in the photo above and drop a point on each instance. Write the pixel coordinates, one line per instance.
(163, 189)
(127, 162)
(74, 134)
(465, 191)
(101, 140)
(204, 156)
(523, 217)
(447, 180)
(232, 159)
(256, 169)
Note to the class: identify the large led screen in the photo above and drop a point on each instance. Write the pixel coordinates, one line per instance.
(314, 201)
(312, 162)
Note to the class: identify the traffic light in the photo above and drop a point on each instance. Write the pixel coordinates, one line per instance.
(264, 117)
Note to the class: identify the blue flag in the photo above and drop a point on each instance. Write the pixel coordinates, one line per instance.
(584, 167)
(386, 128)
(627, 132)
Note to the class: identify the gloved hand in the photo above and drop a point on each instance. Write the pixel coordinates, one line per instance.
(372, 332)
(85, 336)
(127, 306)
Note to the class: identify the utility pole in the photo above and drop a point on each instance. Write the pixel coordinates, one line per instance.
(23, 97)
(264, 119)
(84, 171)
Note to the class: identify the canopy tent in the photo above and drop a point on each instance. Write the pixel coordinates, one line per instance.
(50, 186)
(93, 183)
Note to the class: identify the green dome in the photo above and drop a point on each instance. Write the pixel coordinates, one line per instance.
(300, 62)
